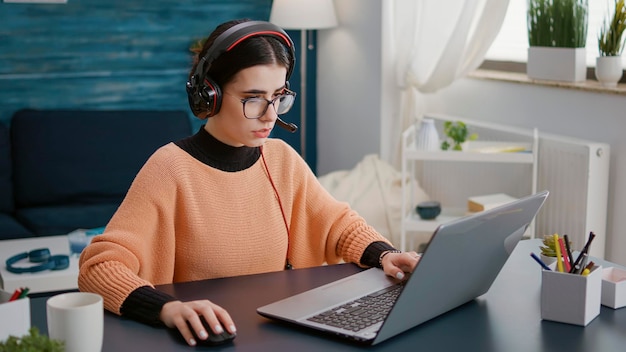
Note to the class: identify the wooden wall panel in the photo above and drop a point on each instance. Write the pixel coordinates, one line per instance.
(121, 54)
(106, 54)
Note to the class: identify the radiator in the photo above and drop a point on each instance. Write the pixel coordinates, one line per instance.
(575, 172)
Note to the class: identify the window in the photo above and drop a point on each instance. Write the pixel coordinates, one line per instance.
(511, 44)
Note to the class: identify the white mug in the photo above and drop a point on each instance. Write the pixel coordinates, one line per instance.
(76, 318)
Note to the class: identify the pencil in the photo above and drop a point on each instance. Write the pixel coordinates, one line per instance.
(543, 265)
(557, 248)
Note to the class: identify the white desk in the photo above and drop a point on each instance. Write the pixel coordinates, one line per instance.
(44, 281)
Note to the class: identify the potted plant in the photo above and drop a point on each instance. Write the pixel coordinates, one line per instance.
(557, 33)
(548, 249)
(456, 133)
(34, 341)
(610, 46)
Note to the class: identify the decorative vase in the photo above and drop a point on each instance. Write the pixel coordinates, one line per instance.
(428, 210)
(557, 64)
(427, 136)
(609, 70)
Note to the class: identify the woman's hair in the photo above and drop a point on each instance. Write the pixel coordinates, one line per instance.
(256, 50)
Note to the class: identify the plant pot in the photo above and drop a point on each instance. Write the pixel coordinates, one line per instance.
(609, 70)
(557, 64)
(548, 260)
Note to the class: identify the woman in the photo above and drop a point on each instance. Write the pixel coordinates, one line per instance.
(228, 200)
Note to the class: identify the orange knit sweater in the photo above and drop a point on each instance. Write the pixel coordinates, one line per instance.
(182, 220)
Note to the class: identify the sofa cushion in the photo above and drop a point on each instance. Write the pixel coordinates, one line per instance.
(72, 159)
(10, 228)
(63, 219)
(6, 186)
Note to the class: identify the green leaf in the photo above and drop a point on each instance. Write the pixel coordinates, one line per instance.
(557, 23)
(33, 342)
(456, 133)
(611, 39)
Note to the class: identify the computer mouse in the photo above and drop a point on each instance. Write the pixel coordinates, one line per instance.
(213, 339)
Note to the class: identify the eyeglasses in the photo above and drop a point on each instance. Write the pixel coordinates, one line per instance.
(255, 107)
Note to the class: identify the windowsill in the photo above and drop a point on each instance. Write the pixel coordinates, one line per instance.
(522, 78)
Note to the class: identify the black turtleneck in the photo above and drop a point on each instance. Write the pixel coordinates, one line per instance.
(207, 149)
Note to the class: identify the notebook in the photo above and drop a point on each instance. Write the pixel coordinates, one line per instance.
(460, 263)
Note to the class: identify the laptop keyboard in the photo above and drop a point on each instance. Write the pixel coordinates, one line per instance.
(362, 312)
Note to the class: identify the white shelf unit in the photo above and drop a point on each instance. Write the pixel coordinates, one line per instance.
(483, 151)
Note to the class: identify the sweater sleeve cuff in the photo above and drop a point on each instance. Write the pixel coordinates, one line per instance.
(372, 253)
(144, 305)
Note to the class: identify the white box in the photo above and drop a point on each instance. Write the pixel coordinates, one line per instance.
(557, 64)
(44, 281)
(571, 298)
(15, 315)
(614, 287)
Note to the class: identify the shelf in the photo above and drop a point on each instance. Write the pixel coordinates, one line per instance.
(507, 146)
(478, 151)
(413, 223)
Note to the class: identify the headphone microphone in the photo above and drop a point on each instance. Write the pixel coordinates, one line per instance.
(291, 127)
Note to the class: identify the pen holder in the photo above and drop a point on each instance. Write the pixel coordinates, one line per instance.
(15, 315)
(571, 298)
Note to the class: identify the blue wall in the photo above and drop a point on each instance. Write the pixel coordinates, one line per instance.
(117, 54)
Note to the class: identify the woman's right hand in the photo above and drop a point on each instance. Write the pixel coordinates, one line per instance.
(181, 315)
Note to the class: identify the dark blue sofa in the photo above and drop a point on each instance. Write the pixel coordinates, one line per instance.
(66, 169)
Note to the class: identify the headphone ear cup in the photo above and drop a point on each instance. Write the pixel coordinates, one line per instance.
(60, 261)
(39, 255)
(195, 100)
(212, 95)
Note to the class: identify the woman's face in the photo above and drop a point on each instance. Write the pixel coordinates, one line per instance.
(230, 126)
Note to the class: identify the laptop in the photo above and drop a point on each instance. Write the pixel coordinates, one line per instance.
(460, 263)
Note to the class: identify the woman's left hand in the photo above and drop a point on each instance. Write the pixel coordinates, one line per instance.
(397, 264)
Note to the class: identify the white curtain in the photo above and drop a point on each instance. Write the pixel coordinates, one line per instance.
(436, 42)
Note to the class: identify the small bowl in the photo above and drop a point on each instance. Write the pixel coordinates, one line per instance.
(428, 210)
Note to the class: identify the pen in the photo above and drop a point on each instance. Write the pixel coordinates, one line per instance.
(583, 264)
(557, 248)
(564, 255)
(15, 295)
(569, 251)
(585, 249)
(590, 265)
(543, 265)
(24, 292)
(585, 272)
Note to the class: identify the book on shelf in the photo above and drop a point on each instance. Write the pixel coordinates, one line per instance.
(488, 201)
(498, 147)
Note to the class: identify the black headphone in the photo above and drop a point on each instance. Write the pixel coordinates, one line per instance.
(41, 256)
(203, 93)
